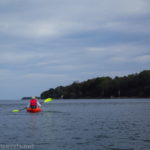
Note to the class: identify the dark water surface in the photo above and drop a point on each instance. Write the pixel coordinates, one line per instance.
(77, 125)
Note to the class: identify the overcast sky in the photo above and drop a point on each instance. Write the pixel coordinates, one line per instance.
(48, 43)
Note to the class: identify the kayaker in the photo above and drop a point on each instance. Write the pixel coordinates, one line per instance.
(34, 103)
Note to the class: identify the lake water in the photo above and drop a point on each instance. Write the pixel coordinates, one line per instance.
(77, 125)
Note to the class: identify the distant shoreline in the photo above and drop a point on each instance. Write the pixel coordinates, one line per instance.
(132, 86)
(127, 98)
(96, 98)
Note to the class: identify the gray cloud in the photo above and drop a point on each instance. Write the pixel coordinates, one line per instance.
(38, 19)
(46, 43)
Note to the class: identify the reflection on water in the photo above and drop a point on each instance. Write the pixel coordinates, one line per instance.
(82, 124)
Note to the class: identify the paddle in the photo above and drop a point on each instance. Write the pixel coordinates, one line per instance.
(45, 101)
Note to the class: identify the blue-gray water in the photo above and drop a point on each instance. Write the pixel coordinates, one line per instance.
(77, 125)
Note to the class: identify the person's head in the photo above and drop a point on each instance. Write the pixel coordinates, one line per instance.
(33, 97)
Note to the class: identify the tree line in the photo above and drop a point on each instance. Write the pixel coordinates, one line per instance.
(131, 86)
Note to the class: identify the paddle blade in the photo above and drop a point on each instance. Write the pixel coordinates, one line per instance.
(16, 110)
(48, 100)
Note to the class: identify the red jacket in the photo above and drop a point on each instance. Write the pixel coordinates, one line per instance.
(33, 102)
